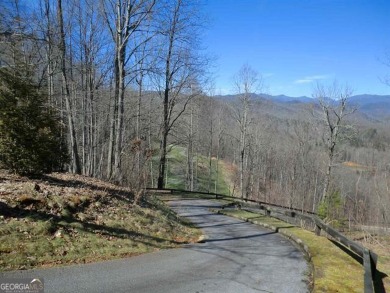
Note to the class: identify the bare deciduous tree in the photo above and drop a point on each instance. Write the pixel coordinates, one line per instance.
(181, 68)
(76, 165)
(124, 19)
(333, 101)
(247, 82)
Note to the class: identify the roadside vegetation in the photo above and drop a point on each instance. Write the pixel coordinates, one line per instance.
(63, 219)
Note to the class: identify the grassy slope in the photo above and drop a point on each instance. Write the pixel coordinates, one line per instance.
(380, 244)
(76, 219)
(177, 159)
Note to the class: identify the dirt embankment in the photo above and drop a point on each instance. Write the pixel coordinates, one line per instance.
(64, 218)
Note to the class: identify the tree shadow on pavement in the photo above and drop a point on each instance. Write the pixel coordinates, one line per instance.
(240, 237)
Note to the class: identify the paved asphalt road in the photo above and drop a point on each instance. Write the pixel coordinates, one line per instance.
(237, 257)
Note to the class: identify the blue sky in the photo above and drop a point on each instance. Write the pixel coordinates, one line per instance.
(294, 43)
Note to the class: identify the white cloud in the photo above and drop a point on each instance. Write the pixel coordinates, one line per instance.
(303, 81)
(312, 78)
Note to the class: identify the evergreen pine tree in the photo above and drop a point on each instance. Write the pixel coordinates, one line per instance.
(30, 132)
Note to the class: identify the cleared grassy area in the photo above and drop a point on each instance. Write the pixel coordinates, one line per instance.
(333, 269)
(204, 181)
(176, 172)
(76, 219)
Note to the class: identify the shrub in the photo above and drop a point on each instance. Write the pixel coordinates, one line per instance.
(332, 209)
(30, 132)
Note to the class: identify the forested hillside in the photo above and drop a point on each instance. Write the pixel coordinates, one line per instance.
(129, 84)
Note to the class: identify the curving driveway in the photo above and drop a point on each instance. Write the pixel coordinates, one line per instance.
(236, 257)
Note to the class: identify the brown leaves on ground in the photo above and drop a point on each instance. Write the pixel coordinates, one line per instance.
(63, 218)
(59, 193)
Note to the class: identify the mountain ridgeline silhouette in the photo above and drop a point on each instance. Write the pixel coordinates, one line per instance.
(375, 107)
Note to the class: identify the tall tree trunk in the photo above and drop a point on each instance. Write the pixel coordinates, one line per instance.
(242, 148)
(150, 142)
(217, 167)
(210, 170)
(49, 54)
(76, 168)
(165, 128)
(111, 143)
(164, 137)
(328, 173)
(120, 113)
(210, 153)
(190, 169)
(138, 122)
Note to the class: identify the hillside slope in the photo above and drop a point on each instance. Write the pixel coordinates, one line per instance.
(65, 218)
(220, 180)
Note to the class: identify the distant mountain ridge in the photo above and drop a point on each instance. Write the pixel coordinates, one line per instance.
(278, 98)
(288, 99)
(374, 106)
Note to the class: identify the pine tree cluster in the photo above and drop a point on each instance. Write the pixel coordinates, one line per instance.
(30, 132)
